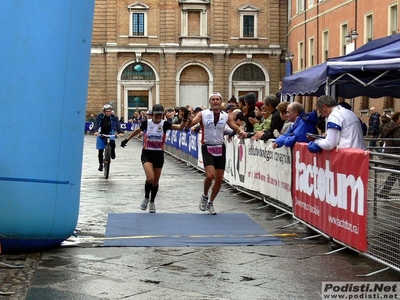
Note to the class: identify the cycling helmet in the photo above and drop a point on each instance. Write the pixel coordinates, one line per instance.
(158, 109)
(107, 106)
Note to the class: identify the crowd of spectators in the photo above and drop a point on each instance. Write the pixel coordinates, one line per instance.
(285, 123)
(333, 124)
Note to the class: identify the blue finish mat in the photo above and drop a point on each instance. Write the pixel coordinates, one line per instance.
(181, 230)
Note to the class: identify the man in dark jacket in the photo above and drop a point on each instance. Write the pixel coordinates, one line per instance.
(373, 126)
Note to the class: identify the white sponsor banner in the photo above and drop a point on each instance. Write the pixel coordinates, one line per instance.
(230, 169)
(264, 169)
(256, 166)
(200, 163)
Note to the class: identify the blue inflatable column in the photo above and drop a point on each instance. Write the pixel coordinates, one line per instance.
(45, 52)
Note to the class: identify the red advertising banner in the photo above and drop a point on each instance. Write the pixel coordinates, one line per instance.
(330, 192)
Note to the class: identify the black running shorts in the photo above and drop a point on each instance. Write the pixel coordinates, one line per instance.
(210, 160)
(156, 157)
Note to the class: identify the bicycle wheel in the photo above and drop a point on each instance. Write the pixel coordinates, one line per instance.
(107, 161)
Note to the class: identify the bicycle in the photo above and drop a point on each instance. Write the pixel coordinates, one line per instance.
(107, 154)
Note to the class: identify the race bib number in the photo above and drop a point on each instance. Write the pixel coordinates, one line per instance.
(215, 150)
(154, 145)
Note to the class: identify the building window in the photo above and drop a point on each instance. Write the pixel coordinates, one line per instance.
(138, 71)
(364, 103)
(388, 103)
(194, 23)
(248, 26)
(310, 3)
(300, 6)
(343, 32)
(369, 28)
(393, 19)
(325, 45)
(137, 24)
(311, 52)
(248, 72)
(194, 28)
(138, 19)
(301, 56)
(248, 21)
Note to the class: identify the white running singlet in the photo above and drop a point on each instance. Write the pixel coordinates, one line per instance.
(213, 135)
(154, 137)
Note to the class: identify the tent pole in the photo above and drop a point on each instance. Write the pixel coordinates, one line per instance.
(328, 87)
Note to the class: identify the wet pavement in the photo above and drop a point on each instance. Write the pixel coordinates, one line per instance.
(83, 269)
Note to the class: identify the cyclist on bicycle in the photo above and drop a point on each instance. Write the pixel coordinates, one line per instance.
(152, 157)
(106, 123)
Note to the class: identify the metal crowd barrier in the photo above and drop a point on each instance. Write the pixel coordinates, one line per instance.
(383, 224)
(384, 207)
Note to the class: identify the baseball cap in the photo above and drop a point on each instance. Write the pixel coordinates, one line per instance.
(158, 109)
(215, 94)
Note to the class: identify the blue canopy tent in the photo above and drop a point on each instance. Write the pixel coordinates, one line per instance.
(372, 70)
(310, 82)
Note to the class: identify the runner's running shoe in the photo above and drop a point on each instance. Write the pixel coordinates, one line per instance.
(203, 203)
(144, 204)
(152, 207)
(210, 208)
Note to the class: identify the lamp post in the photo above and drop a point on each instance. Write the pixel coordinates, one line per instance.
(289, 56)
(350, 39)
(352, 35)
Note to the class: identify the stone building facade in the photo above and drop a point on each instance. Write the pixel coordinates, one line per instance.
(176, 52)
(317, 31)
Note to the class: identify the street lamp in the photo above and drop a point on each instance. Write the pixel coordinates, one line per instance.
(351, 35)
(289, 56)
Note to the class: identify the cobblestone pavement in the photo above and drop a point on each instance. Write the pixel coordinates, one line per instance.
(16, 272)
(83, 269)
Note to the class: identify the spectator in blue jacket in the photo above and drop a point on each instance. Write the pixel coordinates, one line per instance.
(302, 123)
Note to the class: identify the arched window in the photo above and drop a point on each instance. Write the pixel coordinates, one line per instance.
(138, 71)
(248, 72)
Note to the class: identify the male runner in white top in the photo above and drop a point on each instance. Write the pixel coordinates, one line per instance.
(212, 122)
